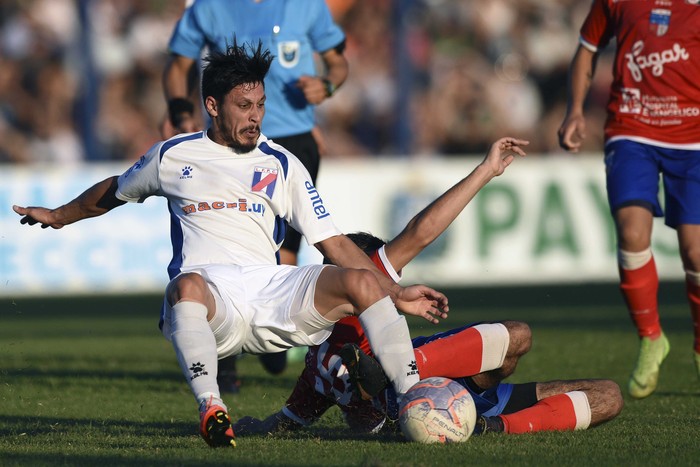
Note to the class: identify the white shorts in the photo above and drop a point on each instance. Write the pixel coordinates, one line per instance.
(262, 309)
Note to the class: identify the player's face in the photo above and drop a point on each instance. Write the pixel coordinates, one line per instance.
(236, 120)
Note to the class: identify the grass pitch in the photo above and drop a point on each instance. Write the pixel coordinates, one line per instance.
(90, 381)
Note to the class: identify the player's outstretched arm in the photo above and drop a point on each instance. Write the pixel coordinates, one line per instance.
(432, 221)
(95, 201)
(572, 131)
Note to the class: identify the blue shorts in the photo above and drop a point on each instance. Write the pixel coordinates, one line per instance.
(632, 178)
(491, 401)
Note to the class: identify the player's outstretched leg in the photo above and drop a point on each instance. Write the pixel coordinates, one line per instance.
(645, 377)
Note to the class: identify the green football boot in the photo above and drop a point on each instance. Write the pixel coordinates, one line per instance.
(646, 374)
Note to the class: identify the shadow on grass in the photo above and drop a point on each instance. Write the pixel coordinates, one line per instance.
(32, 425)
(92, 374)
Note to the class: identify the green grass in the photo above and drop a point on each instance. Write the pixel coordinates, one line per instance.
(90, 381)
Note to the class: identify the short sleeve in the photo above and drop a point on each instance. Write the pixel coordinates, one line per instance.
(308, 214)
(188, 38)
(142, 178)
(596, 30)
(324, 33)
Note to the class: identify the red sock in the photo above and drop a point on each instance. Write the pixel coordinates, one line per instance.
(555, 413)
(693, 291)
(639, 288)
(453, 356)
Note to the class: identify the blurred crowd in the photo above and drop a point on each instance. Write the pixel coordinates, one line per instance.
(81, 79)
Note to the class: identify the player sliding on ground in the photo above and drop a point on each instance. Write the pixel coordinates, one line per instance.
(229, 189)
(479, 356)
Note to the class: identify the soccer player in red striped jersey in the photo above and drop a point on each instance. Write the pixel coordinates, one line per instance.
(486, 352)
(652, 129)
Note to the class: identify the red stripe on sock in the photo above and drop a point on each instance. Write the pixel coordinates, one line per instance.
(640, 289)
(454, 356)
(555, 413)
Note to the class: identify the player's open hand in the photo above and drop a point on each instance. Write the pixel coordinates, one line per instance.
(502, 153)
(420, 300)
(36, 215)
(572, 133)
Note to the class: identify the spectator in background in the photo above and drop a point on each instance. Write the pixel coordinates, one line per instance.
(44, 104)
(293, 88)
(653, 129)
(471, 49)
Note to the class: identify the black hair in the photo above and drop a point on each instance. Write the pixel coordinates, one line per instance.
(365, 241)
(226, 70)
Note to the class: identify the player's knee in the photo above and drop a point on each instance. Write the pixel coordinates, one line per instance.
(188, 286)
(632, 238)
(612, 396)
(520, 337)
(691, 258)
(617, 401)
(361, 286)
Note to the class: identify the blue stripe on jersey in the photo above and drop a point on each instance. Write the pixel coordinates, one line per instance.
(278, 234)
(177, 140)
(176, 240)
(280, 156)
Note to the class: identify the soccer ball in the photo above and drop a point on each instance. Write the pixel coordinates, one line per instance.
(437, 410)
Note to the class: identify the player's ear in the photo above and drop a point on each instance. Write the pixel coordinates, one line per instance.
(212, 106)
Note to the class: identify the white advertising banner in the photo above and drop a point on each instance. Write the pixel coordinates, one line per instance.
(544, 221)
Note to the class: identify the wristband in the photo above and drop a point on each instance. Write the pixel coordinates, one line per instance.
(330, 87)
(178, 106)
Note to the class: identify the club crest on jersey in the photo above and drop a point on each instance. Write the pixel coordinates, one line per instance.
(264, 180)
(288, 53)
(659, 21)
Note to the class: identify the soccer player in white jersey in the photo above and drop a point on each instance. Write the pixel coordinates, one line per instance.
(229, 189)
(653, 129)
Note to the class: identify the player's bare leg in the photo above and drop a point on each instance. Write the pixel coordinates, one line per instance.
(519, 344)
(561, 406)
(639, 284)
(604, 396)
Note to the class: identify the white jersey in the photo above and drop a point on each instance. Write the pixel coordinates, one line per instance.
(225, 207)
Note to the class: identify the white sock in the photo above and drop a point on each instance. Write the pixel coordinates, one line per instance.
(195, 348)
(390, 339)
(582, 409)
(633, 260)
